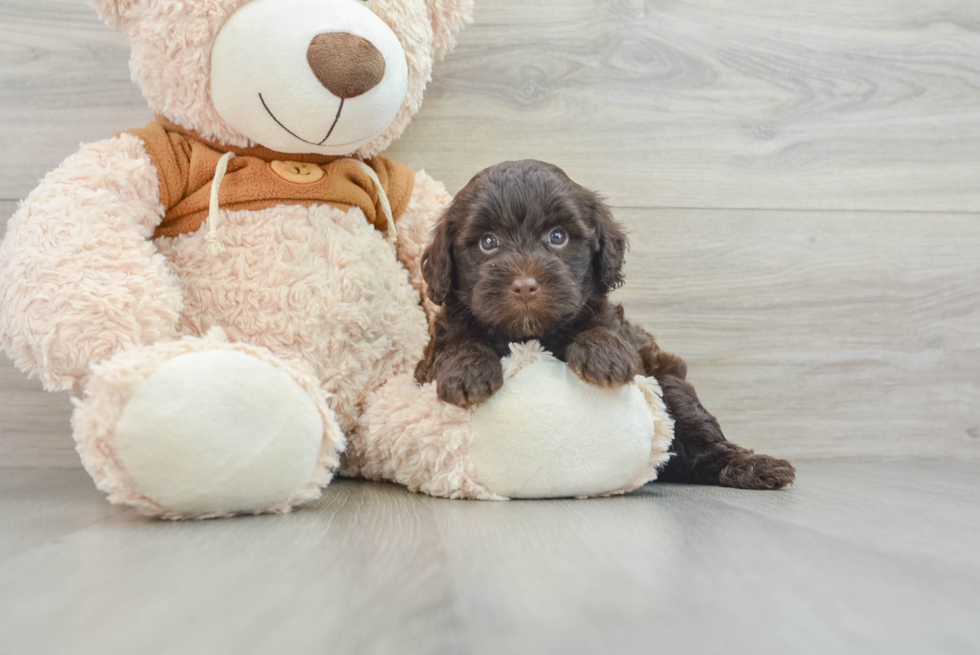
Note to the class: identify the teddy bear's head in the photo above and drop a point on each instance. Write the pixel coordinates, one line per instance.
(331, 77)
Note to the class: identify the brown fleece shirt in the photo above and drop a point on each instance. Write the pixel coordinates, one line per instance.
(259, 178)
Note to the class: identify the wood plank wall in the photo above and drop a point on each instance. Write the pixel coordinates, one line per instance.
(801, 182)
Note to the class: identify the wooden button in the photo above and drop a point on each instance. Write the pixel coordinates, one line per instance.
(296, 172)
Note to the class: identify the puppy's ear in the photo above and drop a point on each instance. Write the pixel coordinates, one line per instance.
(437, 260)
(610, 242)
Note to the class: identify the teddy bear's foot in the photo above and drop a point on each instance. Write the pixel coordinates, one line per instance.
(203, 428)
(545, 434)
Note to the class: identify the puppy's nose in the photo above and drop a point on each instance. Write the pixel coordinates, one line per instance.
(524, 288)
(348, 65)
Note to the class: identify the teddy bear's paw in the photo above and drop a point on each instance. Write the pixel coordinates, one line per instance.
(548, 434)
(219, 430)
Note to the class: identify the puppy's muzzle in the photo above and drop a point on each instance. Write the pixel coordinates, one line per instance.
(524, 288)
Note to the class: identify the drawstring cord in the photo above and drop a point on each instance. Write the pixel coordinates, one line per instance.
(214, 243)
(382, 196)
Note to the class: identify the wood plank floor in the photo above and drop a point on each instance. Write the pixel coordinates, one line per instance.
(861, 556)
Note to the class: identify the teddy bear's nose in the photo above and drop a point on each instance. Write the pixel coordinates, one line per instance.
(348, 65)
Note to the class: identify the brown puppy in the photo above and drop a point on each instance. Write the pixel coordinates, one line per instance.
(525, 253)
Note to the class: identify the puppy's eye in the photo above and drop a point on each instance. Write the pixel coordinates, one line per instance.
(489, 242)
(558, 237)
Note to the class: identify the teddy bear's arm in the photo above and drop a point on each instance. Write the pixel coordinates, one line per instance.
(79, 277)
(429, 200)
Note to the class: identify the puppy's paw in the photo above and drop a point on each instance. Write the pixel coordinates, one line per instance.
(470, 381)
(747, 470)
(602, 357)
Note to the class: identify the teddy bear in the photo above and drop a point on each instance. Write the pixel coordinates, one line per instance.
(234, 289)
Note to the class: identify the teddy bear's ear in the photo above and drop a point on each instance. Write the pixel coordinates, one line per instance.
(448, 18)
(115, 12)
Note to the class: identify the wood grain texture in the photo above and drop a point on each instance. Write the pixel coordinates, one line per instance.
(697, 103)
(64, 79)
(709, 103)
(34, 424)
(859, 557)
(815, 334)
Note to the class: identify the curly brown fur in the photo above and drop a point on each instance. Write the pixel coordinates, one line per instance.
(522, 253)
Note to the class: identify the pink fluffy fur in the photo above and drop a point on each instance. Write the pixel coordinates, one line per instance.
(79, 278)
(90, 300)
(171, 55)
